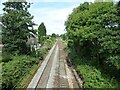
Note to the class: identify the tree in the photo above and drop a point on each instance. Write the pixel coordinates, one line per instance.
(63, 36)
(41, 33)
(118, 13)
(53, 35)
(16, 20)
(93, 32)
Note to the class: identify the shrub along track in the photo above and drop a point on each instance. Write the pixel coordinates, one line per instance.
(56, 72)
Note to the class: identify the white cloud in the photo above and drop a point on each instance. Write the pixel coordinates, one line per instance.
(53, 18)
(1, 7)
(52, 0)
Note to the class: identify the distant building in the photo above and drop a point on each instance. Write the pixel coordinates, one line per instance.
(32, 42)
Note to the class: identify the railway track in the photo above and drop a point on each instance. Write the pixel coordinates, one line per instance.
(54, 72)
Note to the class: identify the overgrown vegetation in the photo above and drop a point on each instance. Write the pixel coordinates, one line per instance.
(16, 20)
(19, 60)
(93, 35)
(14, 71)
(92, 75)
(16, 68)
(49, 42)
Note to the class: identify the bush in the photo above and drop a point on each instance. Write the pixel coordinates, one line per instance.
(6, 57)
(33, 53)
(42, 52)
(93, 77)
(49, 42)
(14, 71)
(93, 33)
(114, 61)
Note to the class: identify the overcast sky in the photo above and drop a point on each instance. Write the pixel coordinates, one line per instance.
(52, 12)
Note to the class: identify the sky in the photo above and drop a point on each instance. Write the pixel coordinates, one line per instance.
(53, 13)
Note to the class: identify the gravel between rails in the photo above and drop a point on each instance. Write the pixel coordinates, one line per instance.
(57, 73)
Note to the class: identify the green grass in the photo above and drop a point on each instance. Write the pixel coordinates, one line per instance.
(14, 71)
(95, 79)
(27, 78)
(17, 71)
(0, 73)
(42, 52)
(92, 75)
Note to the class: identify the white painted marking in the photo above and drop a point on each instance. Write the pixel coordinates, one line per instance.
(51, 79)
(39, 72)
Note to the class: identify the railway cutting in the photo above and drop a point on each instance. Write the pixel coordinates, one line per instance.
(55, 72)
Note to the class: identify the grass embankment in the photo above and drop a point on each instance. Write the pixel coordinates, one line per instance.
(18, 71)
(92, 73)
(15, 71)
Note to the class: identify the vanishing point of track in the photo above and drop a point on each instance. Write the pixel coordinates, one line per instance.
(55, 72)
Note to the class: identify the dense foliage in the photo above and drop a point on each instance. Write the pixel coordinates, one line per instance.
(14, 71)
(64, 36)
(55, 35)
(41, 33)
(16, 68)
(49, 42)
(16, 20)
(93, 33)
(18, 62)
(92, 75)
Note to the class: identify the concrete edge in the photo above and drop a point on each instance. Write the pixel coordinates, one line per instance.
(78, 79)
(40, 70)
